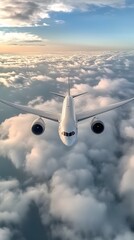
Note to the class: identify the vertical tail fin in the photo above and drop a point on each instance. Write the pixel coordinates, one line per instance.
(68, 87)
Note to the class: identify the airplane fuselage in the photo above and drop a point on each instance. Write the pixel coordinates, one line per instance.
(68, 122)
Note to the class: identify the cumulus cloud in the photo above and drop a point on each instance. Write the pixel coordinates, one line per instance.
(79, 208)
(85, 192)
(15, 203)
(13, 79)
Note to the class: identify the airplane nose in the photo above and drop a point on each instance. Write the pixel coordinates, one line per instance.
(69, 142)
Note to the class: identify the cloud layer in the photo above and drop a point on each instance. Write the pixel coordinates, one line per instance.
(84, 192)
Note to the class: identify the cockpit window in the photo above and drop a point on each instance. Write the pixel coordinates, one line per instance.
(68, 134)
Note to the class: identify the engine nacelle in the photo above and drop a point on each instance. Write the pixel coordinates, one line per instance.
(97, 126)
(38, 126)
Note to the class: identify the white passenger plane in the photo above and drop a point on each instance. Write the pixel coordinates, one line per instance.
(68, 119)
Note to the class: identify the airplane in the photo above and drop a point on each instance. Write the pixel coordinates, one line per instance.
(68, 119)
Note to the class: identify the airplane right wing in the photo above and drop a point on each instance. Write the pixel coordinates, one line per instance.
(92, 113)
(48, 115)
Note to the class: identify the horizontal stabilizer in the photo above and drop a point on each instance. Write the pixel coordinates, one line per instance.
(58, 94)
(77, 95)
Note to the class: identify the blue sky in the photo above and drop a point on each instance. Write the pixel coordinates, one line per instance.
(100, 23)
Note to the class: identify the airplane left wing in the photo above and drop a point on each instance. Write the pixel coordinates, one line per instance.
(51, 116)
(92, 113)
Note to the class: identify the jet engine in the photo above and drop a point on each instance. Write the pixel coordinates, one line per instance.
(97, 126)
(38, 126)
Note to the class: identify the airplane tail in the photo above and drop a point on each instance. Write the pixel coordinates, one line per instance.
(75, 95)
(68, 87)
(63, 95)
(68, 92)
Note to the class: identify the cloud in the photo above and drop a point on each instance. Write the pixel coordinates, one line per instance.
(60, 7)
(112, 85)
(79, 208)
(86, 3)
(20, 38)
(12, 202)
(59, 21)
(11, 184)
(79, 190)
(125, 236)
(62, 79)
(41, 78)
(13, 79)
(22, 13)
(29, 13)
(5, 234)
(15, 204)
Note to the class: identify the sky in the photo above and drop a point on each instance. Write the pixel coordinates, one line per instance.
(68, 25)
(49, 191)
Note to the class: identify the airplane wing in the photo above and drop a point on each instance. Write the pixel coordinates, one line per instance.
(51, 116)
(92, 113)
